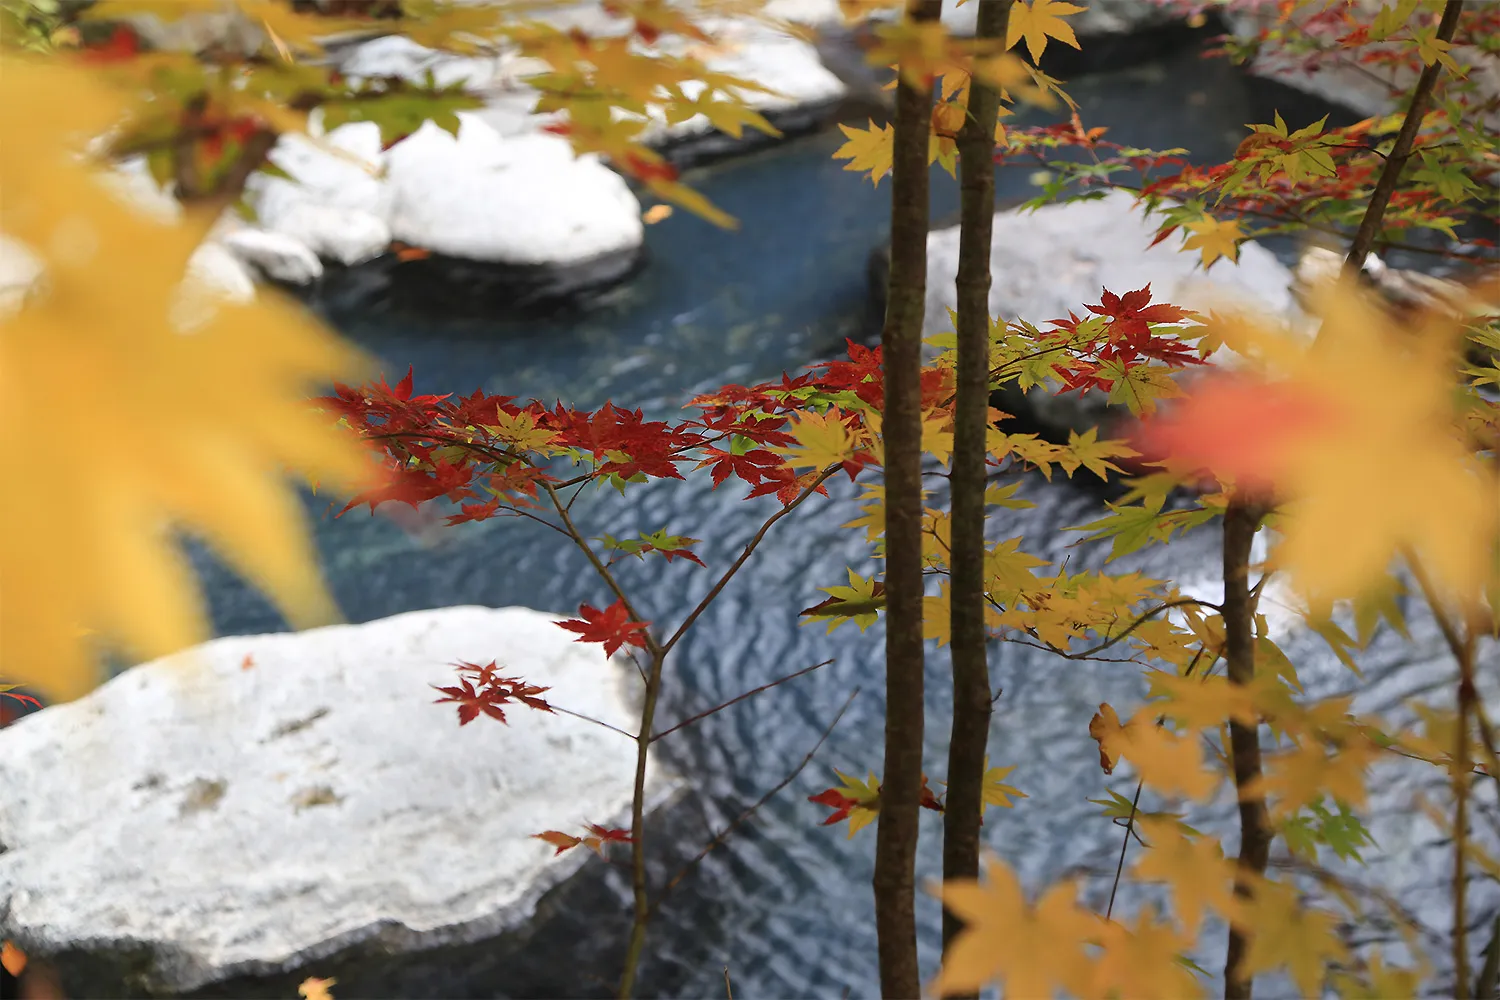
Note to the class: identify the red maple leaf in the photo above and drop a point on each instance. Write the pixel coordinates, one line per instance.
(485, 691)
(750, 466)
(1129, 314)
(1237, 427)
(613, 627)
(841, 804)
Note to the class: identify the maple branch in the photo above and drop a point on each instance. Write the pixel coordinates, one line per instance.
(720, 838)
(1124, 843)
(1144, 617)
(1390, 174)
(748, 694)
(750, 547)
(652, 646)
(590, 718)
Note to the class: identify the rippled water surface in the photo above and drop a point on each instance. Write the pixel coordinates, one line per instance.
(787, 904)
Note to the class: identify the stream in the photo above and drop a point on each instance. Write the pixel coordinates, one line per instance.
(786, 904)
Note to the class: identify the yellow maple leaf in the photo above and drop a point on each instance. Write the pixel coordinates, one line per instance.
(823, 439)
(1030, 949)
(194, 430)
(1194, 867)
(1038, 21)
(995, 791)
(313, 988)
(1323, 434)
(1166, 761)
(1214, 239)
(1142, 960)
(866, 795)
(867, 150)
(1283, 933)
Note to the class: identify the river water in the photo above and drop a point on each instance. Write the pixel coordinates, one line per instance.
(786, 906)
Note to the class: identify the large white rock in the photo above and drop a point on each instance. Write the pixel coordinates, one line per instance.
(520, 200)
(347, 235)
(1050, 262)
(277, 256)
(288, 795)
(340, 169)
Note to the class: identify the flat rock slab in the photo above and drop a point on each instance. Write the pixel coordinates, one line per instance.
(274, 799)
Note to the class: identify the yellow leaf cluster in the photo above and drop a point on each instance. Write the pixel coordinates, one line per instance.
(150, 428)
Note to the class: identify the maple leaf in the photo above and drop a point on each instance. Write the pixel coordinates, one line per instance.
(491, 693)
(867, 150)
(1038, 21)
(613, 627)
(995, 791)
(198, 465)
(12, 958)
(1142, 960)
(1324, 435)
(860, 602)
(1166, 761)
(1194, 867)
(313, 988)
(1032, 950)
(854, 800)
(558, 839)
(1214, 239)
(1283, 933)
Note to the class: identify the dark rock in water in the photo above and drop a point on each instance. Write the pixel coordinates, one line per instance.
(453, 287)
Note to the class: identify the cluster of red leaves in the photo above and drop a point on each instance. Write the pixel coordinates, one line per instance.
(613, 627)
(594, 840)
(451, 447)
(481, 690)
(1126, 339)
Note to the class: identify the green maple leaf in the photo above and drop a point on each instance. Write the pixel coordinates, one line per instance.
(859, 602)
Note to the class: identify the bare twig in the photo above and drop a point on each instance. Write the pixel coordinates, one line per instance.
(738, 698)
(724, 834)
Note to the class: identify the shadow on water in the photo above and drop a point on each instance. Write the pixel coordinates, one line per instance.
(786, 905)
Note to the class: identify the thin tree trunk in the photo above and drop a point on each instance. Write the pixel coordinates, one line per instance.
(1390, 174)
(1241, 521)
(901, 346)
(970, 735)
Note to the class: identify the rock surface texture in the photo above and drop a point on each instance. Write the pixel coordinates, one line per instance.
(280, 799)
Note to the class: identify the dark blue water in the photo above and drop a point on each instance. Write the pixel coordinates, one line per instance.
(787, 905)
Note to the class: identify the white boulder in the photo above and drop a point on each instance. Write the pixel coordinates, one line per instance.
(339, 169)
(1050, 262)
(275, 798)
(1098, 17)
(525, 199)
(278, 257)
(348, 236)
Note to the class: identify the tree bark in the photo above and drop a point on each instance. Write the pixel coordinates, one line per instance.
(969, 738)
(901, 349)
(1241, 521)
(1390, 174)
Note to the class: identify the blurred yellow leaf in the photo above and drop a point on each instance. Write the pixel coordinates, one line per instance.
(193, 430)
(1032, 950)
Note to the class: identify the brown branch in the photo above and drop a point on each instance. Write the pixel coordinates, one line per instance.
(748, 694)
(723, 834)
(1390, 173)
(750, 547)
